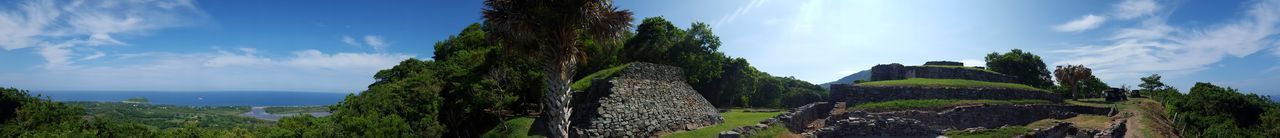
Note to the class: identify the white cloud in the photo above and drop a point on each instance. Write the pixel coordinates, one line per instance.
(350, 41)
(1084, 23)
(56, 27)
(353, 61)
(96, 55)
(1155, 47)
(376, 42)
(237, 69)
(1130, 9)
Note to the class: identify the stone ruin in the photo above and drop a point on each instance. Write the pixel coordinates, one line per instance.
(1115, 94)
(642, 100)
(933, 122)
(796, 119)
(935, 70)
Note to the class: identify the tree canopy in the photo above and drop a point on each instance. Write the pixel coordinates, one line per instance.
(1027, 68)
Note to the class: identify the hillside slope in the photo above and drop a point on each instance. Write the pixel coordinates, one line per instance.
(861, 75)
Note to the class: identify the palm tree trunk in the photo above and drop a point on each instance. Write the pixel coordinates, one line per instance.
(557, 108)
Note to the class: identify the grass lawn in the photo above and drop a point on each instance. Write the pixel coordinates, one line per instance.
(926, 82)
(775, 130)
(732, 119)
(938, 103)
(512, 128)
(1004, 132)
(960, 67)
(585, 82)
(1097, 122)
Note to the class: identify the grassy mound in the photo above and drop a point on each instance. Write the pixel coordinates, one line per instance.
(585, 82)
(1004, 132)
(732, 119)
(513, 128)
(960, 67)
(938, 103)
(925, 82)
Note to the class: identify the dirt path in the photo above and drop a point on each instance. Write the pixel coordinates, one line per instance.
(1148, 120)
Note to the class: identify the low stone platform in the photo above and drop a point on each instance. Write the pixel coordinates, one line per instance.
(642, 100)
(853, 94)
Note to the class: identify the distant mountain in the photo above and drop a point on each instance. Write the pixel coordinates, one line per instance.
(1275, 98)
(861, 75)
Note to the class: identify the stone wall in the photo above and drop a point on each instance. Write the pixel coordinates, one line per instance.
(915, 123)
(796, 120)
(993, 116)
(863, 94)
(944, 63)
(642, 100)
(897, 71)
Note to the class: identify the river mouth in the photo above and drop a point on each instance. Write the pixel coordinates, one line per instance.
(260, 112)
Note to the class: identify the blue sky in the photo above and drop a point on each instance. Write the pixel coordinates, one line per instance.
(335, 46)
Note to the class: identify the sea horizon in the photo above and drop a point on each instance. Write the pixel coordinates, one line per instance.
(199, 98)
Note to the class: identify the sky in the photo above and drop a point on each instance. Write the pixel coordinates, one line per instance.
(336, 46)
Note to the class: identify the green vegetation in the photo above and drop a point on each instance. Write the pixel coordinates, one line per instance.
(938, 103)
(926, 82)
(296, 109)
(1212, 111)
(1026, 68)
(585, 82)
(1003, 132)
(474, 78)
(513, 128)
(1095, 122)
(774, 131)
(171, 116)
(25, 115)
(732, 119)
(1071, 77)
(137, 100)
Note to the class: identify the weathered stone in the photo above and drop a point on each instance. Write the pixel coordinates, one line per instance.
(641, 100)
(862, 94)
(897, 71)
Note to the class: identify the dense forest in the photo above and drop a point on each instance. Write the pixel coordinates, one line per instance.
(471, 84)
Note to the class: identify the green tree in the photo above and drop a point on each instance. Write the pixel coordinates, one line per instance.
(1026, 67)
(654, 37)
(1151, 82)
(1092, 87)
(550, 30)
(1071, 76)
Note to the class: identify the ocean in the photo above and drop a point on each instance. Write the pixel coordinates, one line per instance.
(214, 98)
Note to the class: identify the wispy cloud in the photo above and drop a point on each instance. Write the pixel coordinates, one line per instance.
(350, 41)
(741, 10)
(1130, 9)
(1155, 47)
(1084, 23)
(55, 27)
(376, 42)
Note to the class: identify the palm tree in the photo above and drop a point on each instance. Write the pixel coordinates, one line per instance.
(1071, 77)
(550, 29)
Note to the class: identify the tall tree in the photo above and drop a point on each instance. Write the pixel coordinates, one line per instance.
(1151, 82)
(1072, 76)
(1027, 67)
(549, 29)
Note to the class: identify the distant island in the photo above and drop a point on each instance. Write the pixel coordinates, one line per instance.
(137, 100)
